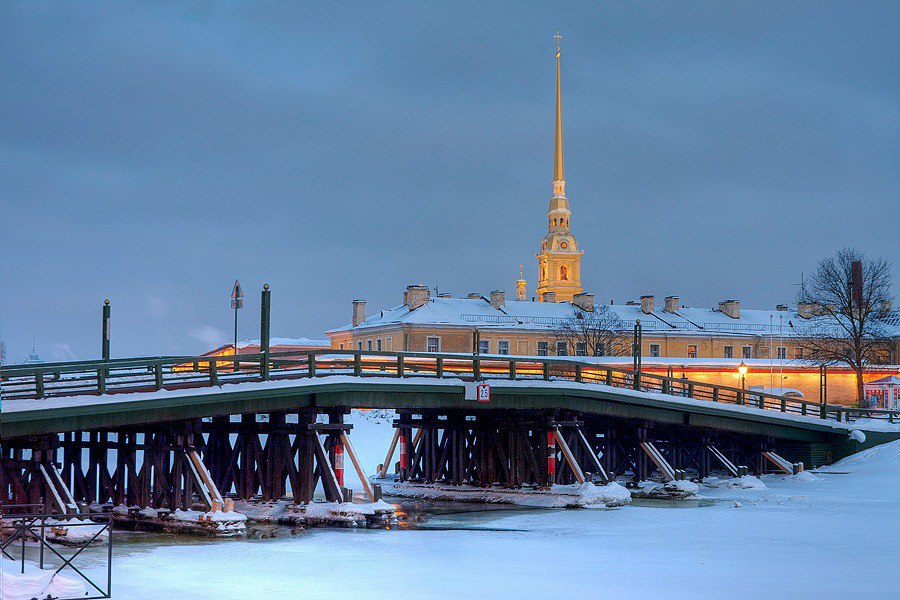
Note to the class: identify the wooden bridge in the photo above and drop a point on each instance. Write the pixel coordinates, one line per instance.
(181, 431)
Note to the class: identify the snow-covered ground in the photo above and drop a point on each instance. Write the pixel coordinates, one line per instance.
(827, 535)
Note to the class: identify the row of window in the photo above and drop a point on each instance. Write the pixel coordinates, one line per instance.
(433, 344)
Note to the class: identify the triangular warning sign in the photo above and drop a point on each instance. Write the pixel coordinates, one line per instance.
(237, 292)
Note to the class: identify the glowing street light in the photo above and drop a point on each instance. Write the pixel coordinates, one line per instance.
(742, 369)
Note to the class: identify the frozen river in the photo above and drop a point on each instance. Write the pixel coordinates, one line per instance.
(832, 536)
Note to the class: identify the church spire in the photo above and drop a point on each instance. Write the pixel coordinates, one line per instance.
(559, 178)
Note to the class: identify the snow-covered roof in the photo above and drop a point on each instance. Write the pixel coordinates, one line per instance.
(525, 315)
(281, 341)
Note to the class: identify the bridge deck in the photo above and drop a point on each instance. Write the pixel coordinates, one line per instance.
(51, 415)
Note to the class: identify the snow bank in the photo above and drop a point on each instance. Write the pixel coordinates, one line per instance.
(671, 489)
(558, 496)
(747, 482)
(37, 583)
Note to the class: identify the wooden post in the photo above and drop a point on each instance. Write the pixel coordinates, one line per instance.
(348, 448)
(390, 454)
(570, 458)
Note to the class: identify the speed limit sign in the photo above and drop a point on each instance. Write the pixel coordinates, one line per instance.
(484, 392)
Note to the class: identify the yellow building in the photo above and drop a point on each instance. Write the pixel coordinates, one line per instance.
(724, 334)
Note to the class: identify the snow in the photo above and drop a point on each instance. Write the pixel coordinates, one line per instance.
(36, 583)
(558, 496)
(67, 532)
(745, 482)
(835, 537)
(858, 435)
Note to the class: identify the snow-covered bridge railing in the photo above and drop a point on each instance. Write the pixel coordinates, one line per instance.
(121, 376)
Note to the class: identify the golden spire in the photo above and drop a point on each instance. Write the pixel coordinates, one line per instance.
(558, 171)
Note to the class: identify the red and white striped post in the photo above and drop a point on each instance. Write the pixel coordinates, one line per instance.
(339, 463)
(403, 459)
(551, 457)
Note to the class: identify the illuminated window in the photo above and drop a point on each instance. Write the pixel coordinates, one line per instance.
(503, 347)
(746, 351)
(782, 353)
(562, 349)
(728, 351)
(654, 350)
(432, 344)
(692, 351)
(543, 348)
(581, 349)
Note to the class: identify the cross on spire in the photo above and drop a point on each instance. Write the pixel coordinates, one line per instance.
(557, 37)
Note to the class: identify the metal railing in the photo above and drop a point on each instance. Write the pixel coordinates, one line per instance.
(119, 376)
(22, 532)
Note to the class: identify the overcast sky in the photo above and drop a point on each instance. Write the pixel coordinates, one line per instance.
(151, 153)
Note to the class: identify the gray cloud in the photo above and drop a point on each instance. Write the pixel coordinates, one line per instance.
(152, 153)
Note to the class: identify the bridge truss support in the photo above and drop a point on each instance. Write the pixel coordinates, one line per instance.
(189, 464)
(268, 456)
(511, 449)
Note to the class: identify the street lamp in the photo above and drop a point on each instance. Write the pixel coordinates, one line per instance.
(742, 369)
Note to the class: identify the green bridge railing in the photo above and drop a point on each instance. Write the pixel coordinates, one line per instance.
(130, 375)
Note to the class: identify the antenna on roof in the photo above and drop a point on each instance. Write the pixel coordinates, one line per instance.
(802, 286)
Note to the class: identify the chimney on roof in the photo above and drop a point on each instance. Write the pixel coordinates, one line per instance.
(732, 308)
(647, 303)
(584, 301)
(498, 298)
(548, 297)
(829, 308)
(671, 304)
(473, 296)
(805, 310)
(359, 312)
(781, 307)
(886, 306)
(416, 296)
(816, 309)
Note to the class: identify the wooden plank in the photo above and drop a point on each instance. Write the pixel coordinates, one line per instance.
(570, 458)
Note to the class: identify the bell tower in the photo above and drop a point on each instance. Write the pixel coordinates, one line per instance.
(559, 260)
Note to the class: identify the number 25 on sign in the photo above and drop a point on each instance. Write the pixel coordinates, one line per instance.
(484, 392)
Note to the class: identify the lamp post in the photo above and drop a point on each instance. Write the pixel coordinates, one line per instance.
(237, 301)
(742, 369)
(104, 348)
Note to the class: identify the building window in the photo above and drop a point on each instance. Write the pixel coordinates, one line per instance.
(746, 351)
(368, 344)
(359, 345)
(342, 346)
(503, 347)
(390, 345)
(728, 351)
(798, 353)
(432, 344)
(484, 346)
(543, 348)
(654, 350)
(378, 344)
(581, 349)
(692, 351)
(600, 349)
(562, 349)
(782, 353)
(564, 273)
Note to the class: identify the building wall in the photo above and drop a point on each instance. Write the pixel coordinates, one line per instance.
(414, 339)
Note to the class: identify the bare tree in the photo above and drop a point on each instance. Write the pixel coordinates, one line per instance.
(847, 297)
(599, 332)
